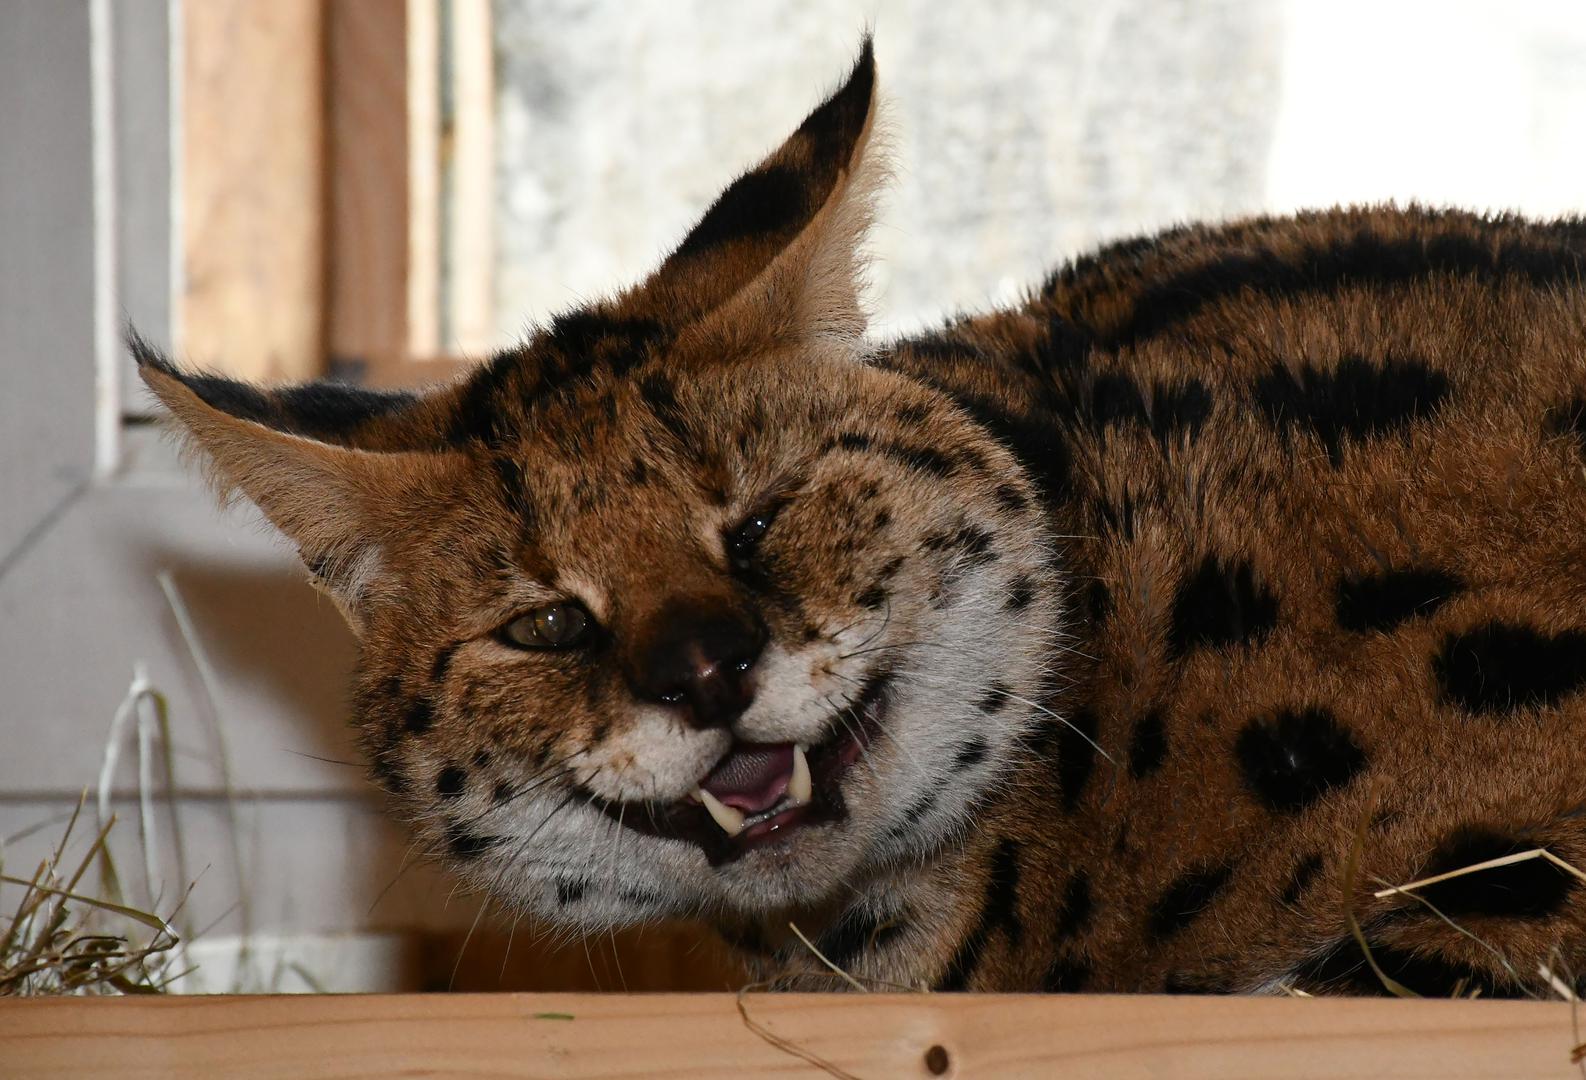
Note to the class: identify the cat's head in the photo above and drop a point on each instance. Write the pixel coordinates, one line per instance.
(683, 606)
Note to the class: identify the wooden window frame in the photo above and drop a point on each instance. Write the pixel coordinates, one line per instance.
(408, 234)
(333, 201)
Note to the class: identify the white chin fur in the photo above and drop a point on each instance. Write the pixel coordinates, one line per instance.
(628, 877)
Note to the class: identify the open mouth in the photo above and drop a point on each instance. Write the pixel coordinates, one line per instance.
(761, 792)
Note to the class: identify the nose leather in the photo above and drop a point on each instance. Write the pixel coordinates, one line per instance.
(699, 658)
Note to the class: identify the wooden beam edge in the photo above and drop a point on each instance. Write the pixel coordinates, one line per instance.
(707, 1036)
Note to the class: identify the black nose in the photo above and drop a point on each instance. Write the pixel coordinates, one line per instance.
(699, 659)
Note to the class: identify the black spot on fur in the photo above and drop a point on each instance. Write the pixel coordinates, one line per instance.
(479, 416)
(890, 569)
(1181, 409)
(1066, 976)
(1033, 434)
(1356, 400)
(920, 459)
(994, 700)
(450, 781)
(1363, 259)
(388, 775)
(1533, 889)
(917, 812)
(1115, 401)
(1063, 350)
(1148, 747)
(1000, 912)
(971, 753)
(1076, 757)
(1497, 667)
(1098, 602)
(503, 792)
(569, 892)
(1383, 601)
(872, 598)
(974, 542)
(1192, 982)
(1221, 604)
(420, 717)
(442, 661)
(1295, 757)
(661, 396)
(513, 488)
(1343, 969)
(589, 338)
(1074, 913)
(1186, 898)
(1568, 419)
(1301, 879)
(850, 936)
(468, 845)
(1021, 591)
(1011, 499)
(759, 203)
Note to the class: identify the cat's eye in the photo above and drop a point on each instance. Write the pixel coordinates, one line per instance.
(741, 541)
(555, 626)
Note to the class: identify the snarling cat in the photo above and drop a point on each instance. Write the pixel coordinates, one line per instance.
(1137, 637)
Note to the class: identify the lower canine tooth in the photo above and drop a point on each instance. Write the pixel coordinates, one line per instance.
(728, 817)
(798, 785)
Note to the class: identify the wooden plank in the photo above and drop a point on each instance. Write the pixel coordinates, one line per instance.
(368, 180)
(252, 104)
(384, 254)
(423, 67)
(705, 1036)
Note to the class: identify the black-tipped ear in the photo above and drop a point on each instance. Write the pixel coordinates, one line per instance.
(769, 207)
(343, 506)
(324, 411)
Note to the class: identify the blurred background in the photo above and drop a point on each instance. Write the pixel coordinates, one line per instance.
(385, 190)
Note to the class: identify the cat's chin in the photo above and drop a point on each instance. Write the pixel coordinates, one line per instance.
(791, 824)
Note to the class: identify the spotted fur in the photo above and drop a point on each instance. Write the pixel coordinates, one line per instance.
(1229, 551)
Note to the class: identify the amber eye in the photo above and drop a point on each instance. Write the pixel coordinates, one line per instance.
(554, 626)
(742, 540)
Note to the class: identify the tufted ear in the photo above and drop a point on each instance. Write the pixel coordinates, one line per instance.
(294, 453)
(782, 245)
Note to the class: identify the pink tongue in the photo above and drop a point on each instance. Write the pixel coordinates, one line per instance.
(753, 777)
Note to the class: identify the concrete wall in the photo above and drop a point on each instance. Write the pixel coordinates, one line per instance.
(1026, 130)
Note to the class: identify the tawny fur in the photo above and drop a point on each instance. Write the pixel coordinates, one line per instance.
(1230, 549)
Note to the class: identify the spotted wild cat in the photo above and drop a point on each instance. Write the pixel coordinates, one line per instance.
(1073, 646)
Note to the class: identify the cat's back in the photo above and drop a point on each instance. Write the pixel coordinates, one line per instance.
(1323, 493)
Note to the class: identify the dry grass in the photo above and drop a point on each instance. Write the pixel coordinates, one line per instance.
(61, 941)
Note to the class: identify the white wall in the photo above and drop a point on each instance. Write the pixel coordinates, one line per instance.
(1026, 130)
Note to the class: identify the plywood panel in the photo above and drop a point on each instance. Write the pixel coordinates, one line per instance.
(369, 181)
(253, 187)
(705, 1036)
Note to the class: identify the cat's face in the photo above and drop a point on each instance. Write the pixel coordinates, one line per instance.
(682, 607)
(693, 584)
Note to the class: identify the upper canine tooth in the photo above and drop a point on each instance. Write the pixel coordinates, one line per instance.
(730, 818)
(798, 785)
